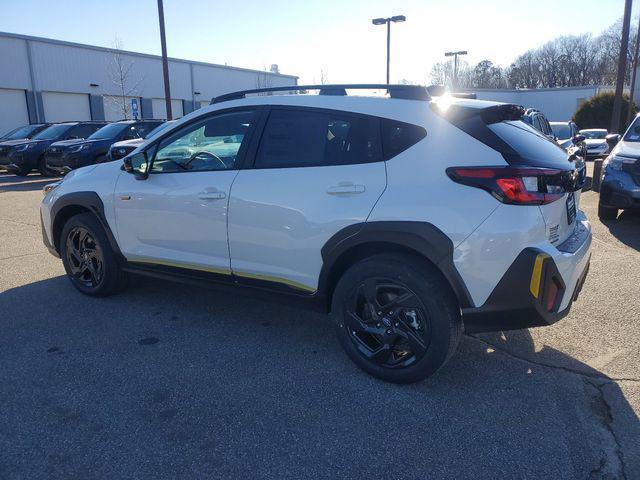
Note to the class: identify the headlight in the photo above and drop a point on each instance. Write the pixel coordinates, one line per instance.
(78, 148)
(50, 186)
(22, 148)
(616, 162)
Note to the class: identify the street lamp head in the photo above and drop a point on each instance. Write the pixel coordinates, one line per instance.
(399, 18)
(451, 54)
(379, 21)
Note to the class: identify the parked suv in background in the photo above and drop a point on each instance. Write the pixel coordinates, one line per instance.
(408, 219)
(121, 149)
(62, 157)
(23, 156)
(620, 186)
(596, 141)
(26, 131)
(568, 137)
(537, 120)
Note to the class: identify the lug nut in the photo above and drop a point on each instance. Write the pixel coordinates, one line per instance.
(388, 332)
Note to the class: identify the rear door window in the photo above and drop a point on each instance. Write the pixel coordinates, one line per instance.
(308, 138)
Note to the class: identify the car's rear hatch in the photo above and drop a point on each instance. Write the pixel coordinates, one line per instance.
(499, 126)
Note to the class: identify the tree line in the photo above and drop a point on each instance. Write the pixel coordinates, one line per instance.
(566, 61)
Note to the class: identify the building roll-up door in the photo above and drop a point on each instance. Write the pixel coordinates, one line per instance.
(63, 107)
(160, 108)
(13, 105)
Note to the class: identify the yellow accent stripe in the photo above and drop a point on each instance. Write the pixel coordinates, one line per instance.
(268, 278)
(222, 271)
(536, 275)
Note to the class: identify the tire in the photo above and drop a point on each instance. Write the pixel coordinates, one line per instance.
(42, 168)
(607, 213)
(88, 259)
(402, 346)
(22, 171)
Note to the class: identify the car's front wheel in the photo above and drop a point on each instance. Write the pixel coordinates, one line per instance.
(88, 258)
(607, 213)
(396, 317)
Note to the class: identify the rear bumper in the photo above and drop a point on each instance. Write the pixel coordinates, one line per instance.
(538, 288)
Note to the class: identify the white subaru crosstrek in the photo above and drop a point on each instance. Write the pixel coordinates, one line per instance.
(409, 219)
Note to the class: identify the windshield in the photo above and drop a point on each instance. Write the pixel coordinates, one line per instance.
(561, 130)
(53, 132)
(22, 132)
(108, 131)
(158, 129)
(633, 132)
(594, 134)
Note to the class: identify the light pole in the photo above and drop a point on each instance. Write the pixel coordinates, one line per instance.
(455, 64)
(387, 21)
(165, 62)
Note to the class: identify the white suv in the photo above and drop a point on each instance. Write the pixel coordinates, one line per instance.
(409, 219)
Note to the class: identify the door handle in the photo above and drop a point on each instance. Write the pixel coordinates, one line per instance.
(345, 188)
(211, 195)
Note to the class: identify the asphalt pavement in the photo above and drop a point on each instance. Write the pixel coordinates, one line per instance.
(173, 381)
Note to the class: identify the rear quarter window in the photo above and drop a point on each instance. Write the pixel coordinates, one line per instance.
(398, 136)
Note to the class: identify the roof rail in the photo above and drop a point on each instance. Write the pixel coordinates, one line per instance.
(407, 92)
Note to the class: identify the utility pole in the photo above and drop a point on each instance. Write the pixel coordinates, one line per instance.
(387, 21)
(455, 64)
(622, 63)
(165, 62)
(633, 75)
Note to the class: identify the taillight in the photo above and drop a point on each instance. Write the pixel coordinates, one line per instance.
(516, 185)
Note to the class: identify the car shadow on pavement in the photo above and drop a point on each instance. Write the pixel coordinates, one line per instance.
(162, 365)
(626, 228)
(14, 183)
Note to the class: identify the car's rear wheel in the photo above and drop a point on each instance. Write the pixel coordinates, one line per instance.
(396, 317)
(88, 258)
(607, 213)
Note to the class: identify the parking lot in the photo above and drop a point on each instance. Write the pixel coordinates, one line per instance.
(172, 381)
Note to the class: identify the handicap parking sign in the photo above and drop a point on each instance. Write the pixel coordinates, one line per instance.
(134, 107)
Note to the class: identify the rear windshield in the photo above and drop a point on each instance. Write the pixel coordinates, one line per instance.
(534, 148)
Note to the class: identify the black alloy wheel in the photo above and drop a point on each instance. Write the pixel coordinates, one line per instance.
(84, 257)
(387, 323)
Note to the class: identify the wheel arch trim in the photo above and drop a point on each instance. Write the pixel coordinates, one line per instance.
(88, 201)
(423, 238)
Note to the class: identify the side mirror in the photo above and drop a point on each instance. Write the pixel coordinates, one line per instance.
(612, 139)
(129, 137)
(137, 165)
(578, 139)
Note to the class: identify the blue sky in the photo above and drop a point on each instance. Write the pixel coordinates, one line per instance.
(304, 37)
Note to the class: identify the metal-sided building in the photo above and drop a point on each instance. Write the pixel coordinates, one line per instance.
(51, 80)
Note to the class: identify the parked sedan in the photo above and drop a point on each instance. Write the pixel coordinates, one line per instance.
(568, 136)
(22, 156)
(596, 140)
(62, 157)
(26, 131)
(121, 149)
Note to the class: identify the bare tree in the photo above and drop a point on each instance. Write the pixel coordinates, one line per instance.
(120, 72)
(324, 77)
